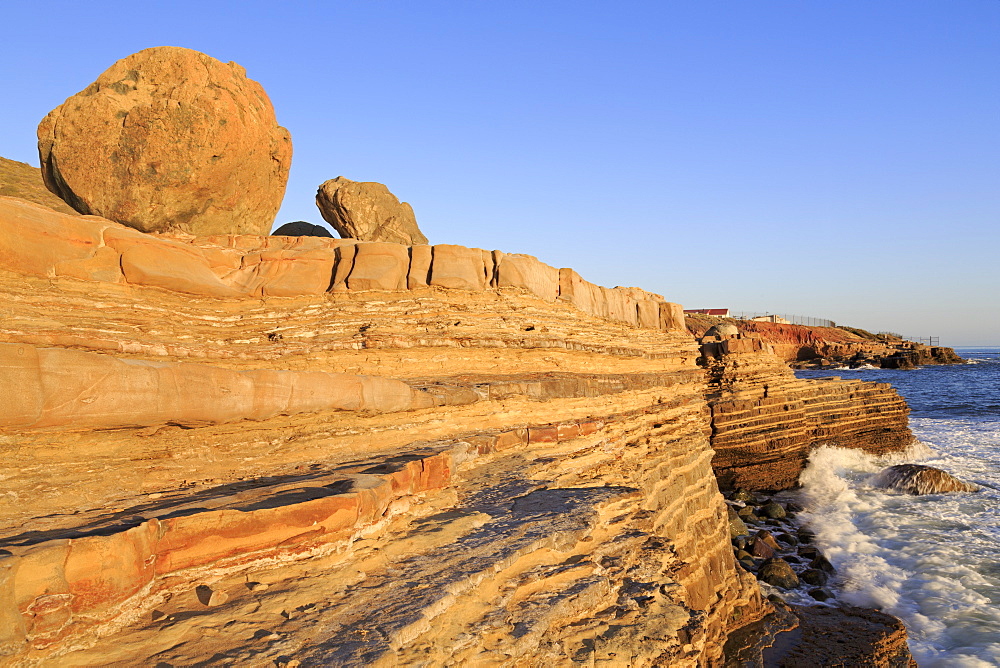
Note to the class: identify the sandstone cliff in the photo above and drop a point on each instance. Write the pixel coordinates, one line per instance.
(275, 449)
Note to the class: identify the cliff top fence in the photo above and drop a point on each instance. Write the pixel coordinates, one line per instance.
(784, 318)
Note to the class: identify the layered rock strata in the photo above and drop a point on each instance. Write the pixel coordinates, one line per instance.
(427, 455)
(169, 139)
(765, 420)
(541, 475)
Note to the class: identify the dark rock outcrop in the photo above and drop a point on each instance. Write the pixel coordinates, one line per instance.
(367, 211)
(301, 228)
(169, 139)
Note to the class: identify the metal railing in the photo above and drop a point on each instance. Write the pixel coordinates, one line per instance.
(790, 318)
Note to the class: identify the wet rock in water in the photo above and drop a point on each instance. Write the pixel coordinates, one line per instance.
(761, 549)
(169, 140)
(805, 535)
(763, 545)
(787, 539)
(747, 514)
(301, 228)
(820, 594)
(740, 542)
(822, 563)
(920, 479)
(749, 564)
(815, 577)
(367, 211)
(768, 539)
(779, 573)
(736, 525)
(773, 510)
(743, 554)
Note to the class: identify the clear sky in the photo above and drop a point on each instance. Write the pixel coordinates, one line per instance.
(832, 159)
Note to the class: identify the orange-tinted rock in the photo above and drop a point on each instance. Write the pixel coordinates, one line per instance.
(171, 267)
(526, 271)
(284, 273)
(367, 211)
(458, 268)
(58, 387)
(420, 267)
(34, 238)
(169, 139)
(379, 266)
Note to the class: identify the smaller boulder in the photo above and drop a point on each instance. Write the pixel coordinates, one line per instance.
(301, 228)
(815, 577)
(820, 594)
(779, 573)
(736, 525)
(367, 211)
(920, 479)
(773, 510)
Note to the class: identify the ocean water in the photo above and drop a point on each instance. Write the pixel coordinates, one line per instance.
(933, 561)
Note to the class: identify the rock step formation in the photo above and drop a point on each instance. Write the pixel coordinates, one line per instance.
(765, 420)
(203, 535)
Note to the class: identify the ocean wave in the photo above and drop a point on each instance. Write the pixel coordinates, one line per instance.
(924, 559)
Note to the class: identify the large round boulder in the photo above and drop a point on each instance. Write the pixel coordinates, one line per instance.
(169, 140)
(367, 211)
(920, 479)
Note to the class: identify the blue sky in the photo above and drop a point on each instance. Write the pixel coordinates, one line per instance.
(833, 159)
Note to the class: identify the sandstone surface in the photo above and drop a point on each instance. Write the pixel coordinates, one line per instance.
(367, 211)
(169, 139)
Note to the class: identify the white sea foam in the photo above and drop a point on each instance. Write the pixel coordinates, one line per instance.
(930, 560)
